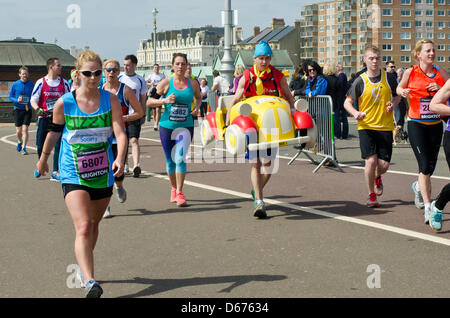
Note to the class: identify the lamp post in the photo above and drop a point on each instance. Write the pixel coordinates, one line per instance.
(227, 68)
(154, 13)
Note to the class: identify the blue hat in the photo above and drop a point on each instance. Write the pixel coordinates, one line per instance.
(264, 49)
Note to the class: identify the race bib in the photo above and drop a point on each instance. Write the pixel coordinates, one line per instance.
(25, 100)
(51, 103)
(92, 163)
(425, 112)
(179, 112)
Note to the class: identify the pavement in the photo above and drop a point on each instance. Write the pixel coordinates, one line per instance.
(320, 239)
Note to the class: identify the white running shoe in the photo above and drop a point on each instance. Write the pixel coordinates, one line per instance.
(121, 194)
(107, 213)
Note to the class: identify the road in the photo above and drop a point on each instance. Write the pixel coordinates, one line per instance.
(320, 239)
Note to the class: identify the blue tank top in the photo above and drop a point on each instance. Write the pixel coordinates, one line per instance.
(86, 156)
(178, 114)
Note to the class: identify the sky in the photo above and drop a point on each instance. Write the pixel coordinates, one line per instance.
(114, 28)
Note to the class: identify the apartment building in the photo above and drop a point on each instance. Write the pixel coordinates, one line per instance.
(340, 30)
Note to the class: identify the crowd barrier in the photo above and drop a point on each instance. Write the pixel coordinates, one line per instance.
(321, 110)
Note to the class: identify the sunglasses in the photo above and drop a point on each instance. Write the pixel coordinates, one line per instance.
(114, 70)
(90, 73)
(311, 70)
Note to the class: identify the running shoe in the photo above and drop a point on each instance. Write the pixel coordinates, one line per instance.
(418, 200)
(55, 176)
(372, 200)
(93, 289)
(107, 213)
(173, 195)
(435, 217)
(126, 170)
(260, 210)
(136, 171)
(36, 173)
(181, 201)
(24, 151)
(19, 147)
(378, 186)
(79, 276)
(121, 194)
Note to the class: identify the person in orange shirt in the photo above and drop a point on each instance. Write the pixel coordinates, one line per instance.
(419, 84)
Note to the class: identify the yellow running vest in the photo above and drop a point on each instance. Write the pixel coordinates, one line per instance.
(373, 102)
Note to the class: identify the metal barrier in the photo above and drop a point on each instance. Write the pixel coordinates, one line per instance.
(321, 110)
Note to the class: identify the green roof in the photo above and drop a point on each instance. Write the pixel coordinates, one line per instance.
(31, 53)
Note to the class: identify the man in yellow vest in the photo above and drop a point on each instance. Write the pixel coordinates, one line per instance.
(374, 92)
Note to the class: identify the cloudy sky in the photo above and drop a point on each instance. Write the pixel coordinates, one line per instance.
(114, 28)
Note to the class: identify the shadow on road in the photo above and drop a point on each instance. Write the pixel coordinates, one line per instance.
(157, 286)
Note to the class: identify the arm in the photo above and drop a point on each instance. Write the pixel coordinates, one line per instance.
(130, 96)
(12, 94)
(52, 137)
(348, 105)
(321, 87)
(439, 102)
(287, 94)
(197, 96)
(237, 97)
(161, 90)
(119, 133)
(402, 89)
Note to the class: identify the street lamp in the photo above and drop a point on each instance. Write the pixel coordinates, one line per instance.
(154, 12)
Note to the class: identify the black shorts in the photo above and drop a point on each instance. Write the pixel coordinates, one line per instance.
(134, 129)
(94, 193)
(375, 142)
(22, 117)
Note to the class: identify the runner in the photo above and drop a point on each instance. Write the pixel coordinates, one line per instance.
(87, 119)
(374, 91)
(419, 84)
(176, 124)
(20, 95)
(46, 92)
(439, 105)
(261, 79)
(153, 81)
(137, 84)
(126, 97)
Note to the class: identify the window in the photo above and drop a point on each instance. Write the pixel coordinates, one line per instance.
(387, 12)
(405, 2)
(405, 12)
(387, 47)
(441, 25)
(441, 59)
(429, 24)
(387, 1)
(441, 36)
(405, 35)
(441, 2)
(418, 1)
(429, 13)
(405, 24)
(386, 58)
(418, 24)
(441, 47)
(429, 36)
(418, 12)
(387, 23)
(405, 59)
(405, 47)
(429, 1)
(418, 35)
(387, 35)
(441, 13)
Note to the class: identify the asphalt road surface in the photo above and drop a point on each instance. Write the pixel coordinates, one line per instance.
(320, 239)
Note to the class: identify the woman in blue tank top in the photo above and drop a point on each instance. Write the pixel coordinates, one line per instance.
(176, 123)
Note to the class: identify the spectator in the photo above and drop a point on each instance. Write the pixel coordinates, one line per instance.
(334, 90)
(316, 83)
(342, 127)
(204, 89)
(298, 83)
(220, 84)
(238, 72)
(400, 110)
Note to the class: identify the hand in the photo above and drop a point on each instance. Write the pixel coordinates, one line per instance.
(194, 112)
(118, 168)
(309, 95)
(359, 115)
(389, 107)
(405, 93)
(19, 99)
(170, 99)
(42, 167)
(433, 87)
(41, 112)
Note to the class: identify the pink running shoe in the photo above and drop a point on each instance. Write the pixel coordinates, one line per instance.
(173, 195)
(181, 201)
